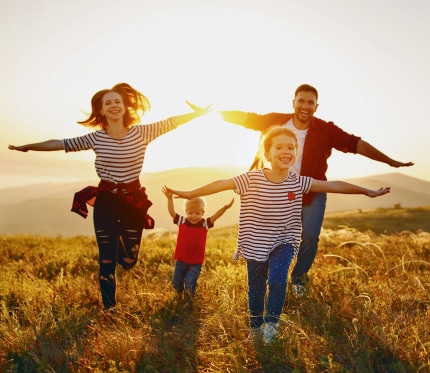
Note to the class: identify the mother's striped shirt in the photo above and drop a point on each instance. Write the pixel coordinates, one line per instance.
(120, 161)
(270, 213)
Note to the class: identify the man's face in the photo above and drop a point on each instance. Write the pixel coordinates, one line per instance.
(305, 105)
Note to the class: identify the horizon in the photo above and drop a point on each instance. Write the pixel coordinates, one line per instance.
(21, 180)
(46, 207)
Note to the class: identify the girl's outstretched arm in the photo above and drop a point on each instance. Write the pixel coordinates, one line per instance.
(211, 188)
(346, 188)
(44, 146)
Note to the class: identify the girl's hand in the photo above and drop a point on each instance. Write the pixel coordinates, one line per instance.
(379, 192)
(178, 193)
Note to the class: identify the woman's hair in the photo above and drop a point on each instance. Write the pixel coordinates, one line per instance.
(135, 103)
(195, 202)
(266, 141)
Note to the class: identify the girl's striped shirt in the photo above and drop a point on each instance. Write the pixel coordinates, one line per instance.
(120, 161)
(270, 213)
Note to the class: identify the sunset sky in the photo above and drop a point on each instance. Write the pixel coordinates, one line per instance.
(368, 59)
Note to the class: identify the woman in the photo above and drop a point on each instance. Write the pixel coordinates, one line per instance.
(120, 203)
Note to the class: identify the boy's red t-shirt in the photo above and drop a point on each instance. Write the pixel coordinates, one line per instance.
(191, 242)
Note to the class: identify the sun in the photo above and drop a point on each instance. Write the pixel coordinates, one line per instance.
(205, 142)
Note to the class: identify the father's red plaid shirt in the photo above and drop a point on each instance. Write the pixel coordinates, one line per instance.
(321, 138)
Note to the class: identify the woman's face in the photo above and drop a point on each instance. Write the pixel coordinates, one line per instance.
(112, 106)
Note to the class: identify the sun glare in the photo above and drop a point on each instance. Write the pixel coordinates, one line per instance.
(204, 142)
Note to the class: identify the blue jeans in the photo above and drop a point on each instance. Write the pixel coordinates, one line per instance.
(273, 272)
(312, 219)
(185, 277)
(118, 227)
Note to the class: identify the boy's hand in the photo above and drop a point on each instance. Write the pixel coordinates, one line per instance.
(167, 192)
(230, 204)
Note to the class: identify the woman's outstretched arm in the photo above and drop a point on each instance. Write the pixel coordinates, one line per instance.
(184, 118)
(44, 146)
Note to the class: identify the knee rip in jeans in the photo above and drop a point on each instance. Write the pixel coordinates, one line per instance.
(101, 236)
(136, 237)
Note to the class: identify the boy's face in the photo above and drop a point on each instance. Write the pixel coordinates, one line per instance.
(194, 214)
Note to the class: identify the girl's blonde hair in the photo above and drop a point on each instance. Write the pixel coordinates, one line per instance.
(195, 202)
(266, 141)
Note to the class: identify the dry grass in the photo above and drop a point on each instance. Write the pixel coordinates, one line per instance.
(367, 309)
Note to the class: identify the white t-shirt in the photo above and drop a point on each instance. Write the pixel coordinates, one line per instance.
(301, 137)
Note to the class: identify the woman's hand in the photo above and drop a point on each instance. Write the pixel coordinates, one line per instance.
(22, 148)
(198, 109)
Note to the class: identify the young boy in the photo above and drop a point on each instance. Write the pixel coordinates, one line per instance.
(191, 241)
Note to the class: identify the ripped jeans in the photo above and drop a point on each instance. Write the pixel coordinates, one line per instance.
(118, 228)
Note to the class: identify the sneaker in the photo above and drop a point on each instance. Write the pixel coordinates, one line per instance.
(270, 329)
(299, 290)
(256, 333)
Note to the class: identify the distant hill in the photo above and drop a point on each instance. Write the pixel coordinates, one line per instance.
(45, 208)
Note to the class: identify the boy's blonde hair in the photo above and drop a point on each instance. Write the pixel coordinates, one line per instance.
(195, 202)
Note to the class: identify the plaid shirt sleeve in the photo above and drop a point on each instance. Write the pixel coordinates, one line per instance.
(322, 137)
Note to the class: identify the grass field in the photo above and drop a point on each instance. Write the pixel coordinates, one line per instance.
(368, 307)
(382, 220)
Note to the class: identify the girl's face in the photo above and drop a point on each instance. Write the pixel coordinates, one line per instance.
(194, 214)
(282, 153)
(112, 106)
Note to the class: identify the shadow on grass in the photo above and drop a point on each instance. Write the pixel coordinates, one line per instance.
(349, 344)
(176, 327)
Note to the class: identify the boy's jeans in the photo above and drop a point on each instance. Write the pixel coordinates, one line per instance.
(185, 277)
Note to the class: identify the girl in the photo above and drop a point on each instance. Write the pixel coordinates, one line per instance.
(270, 223)
(120, 202)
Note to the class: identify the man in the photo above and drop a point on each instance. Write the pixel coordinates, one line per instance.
(316, 138)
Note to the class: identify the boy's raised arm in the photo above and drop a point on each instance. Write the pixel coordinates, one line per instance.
(221, 211)
(170, 205)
